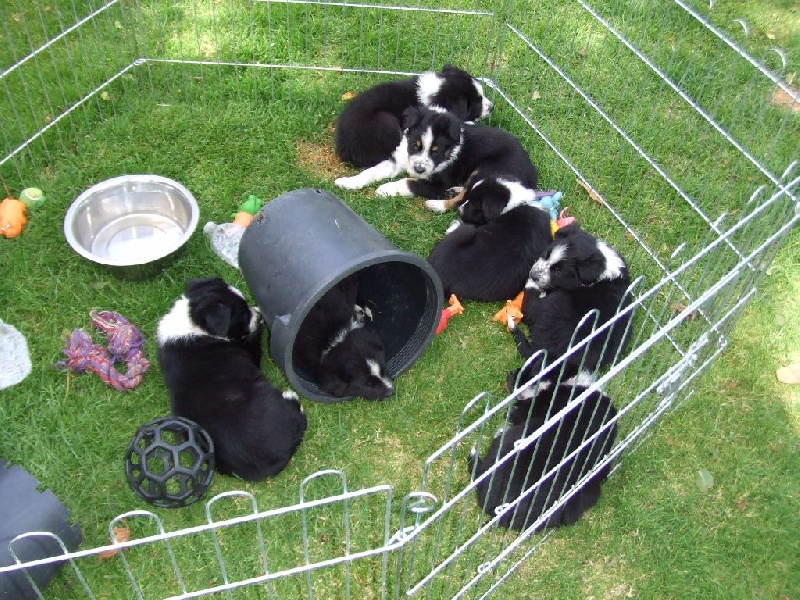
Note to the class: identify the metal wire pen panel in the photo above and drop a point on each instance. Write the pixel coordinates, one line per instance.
(656, 117)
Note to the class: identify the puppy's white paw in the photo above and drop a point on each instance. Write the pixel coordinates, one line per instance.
(437, 206)
(473, 452)
(349, 183)
(394, 188)
(290, 395)
(455, 224)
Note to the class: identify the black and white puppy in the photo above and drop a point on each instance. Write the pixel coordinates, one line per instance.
(440, 152)
(209, 351)
(577, 274)
(525, 474)
(488, 254)
(370, 126)
(338, 349)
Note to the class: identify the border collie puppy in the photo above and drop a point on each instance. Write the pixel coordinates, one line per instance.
(209, 350)
(535, 458)
(488, 254)
(338, 349)
(369, 127)
(577, 273)
(439, 152)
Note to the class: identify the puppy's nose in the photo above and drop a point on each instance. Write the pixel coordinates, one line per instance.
(419, 169)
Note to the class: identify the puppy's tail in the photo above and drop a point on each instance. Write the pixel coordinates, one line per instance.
(524, 346)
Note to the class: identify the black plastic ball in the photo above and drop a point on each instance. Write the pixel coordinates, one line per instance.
(170, 462)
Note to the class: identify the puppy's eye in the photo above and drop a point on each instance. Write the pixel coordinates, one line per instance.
(418, 144)
(434, 148)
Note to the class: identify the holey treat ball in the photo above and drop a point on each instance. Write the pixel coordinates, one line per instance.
(170, 462)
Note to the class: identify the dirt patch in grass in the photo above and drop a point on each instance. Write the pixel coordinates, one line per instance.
(319, 159)
(783, 100)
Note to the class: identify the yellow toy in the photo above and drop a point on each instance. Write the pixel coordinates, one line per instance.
(511, 313)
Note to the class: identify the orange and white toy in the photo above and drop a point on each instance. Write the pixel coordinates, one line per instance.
(12, 217)
(511, 313)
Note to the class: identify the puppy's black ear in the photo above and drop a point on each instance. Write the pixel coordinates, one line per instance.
(375, 346)
(493, 199)
(333, 384)
(565, 232)
(218, 319)
(460, 109)
(591, 267)
(454, 129)
(411, 117)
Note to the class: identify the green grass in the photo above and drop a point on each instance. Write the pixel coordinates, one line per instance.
(227, 132)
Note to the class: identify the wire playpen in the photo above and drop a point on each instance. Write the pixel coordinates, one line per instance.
(690, 163)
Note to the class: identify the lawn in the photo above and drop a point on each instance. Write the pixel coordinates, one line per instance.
(675, 202)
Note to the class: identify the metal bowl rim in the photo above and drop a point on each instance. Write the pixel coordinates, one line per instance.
(114, 181)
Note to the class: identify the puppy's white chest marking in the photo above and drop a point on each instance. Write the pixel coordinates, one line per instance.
(357, 322)
(583, 378)
(375, 370)
(455, 151)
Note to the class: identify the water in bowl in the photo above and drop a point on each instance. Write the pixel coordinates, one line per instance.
(137, 237)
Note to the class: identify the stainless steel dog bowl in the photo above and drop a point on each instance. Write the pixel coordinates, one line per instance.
(132, 223)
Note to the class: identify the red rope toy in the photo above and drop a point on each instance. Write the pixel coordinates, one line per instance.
(124, 345)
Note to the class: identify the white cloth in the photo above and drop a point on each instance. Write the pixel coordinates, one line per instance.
(15, 362)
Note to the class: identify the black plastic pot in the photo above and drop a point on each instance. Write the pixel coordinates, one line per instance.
(24, 508)
(304, 242)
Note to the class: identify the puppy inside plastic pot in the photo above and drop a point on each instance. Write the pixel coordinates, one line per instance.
(307, 242)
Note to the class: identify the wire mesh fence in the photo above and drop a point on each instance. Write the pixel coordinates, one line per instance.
(693, 163)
